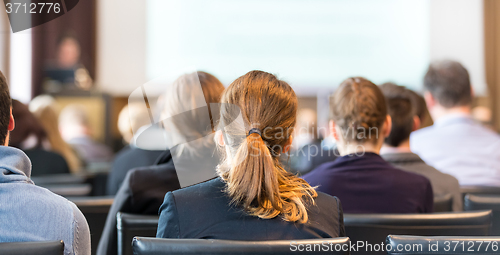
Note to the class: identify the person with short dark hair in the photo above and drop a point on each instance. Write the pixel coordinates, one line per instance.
(364, 181)
(456, 144)
(396, 150)
(28, 212)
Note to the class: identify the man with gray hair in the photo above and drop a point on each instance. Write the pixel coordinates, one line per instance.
(455, 144)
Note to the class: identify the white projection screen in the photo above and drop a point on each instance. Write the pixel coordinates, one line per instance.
(310, 44)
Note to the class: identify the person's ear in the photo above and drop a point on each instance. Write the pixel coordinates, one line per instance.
(429, 100)
(219, 138)
(333, 130)
(472, 94)
(416, 123)
(387, 126)
(288, 144)
(12, 123)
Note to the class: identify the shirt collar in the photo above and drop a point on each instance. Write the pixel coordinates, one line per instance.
(453, 118)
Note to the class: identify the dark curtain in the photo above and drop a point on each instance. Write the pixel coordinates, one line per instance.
(79, 21)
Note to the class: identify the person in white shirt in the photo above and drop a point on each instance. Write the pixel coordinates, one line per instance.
(456, 144)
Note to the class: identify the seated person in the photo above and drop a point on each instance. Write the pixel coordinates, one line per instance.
(31, 137)
(192, 146)
(308, 150)
(75, 129)
(396, 148)
(30, 213)
(456, 144)
(46, 110)
(253, 198)
(363, 181)
(131, 118)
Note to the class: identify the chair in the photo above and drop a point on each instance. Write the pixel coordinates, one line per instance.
(374, 228)
(89, 184)
(70, 190)
(132, 225)
(485, 202)
(443, 204)
(479, 190)
(29, 248)
(161, 246)
(442, 245)
(95, 210)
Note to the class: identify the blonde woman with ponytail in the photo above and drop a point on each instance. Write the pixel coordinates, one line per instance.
(253, 198)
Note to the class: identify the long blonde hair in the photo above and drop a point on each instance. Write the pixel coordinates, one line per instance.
(45, 109)
(252, 170)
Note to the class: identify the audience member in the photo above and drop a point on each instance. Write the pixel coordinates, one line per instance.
(363, 181)
(396, 149)
(45, 109)
(191, 143)
(28, 212)
(31, 137)
(132, 117)
(456, 144)
(308, 151)
(253, 192)
(75, 129)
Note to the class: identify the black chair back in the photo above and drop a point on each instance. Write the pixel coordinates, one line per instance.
(374, 228)
(160, 246)
(442, 245)
(479, 190)
(30, 248)
(132, 225)
(485, 202)
(95, 210)
(443, 204)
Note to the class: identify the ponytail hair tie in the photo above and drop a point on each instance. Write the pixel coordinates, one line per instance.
(255, 130)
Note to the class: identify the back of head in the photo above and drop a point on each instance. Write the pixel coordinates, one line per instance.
(186, 113)
(359, 109)
(27, 126)
(449, 83)
(252, 170)
(401, 110)
(45, 109)
(132, 117)
(5, 104)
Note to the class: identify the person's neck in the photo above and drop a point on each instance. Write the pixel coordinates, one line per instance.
(358, 149)
(401, 148)
(439, 111)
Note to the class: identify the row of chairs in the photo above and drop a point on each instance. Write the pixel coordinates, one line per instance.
(95, 210)
(371, 228)
(393, 245)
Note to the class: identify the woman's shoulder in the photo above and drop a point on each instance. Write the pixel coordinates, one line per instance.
(210, 188)
(325, 200)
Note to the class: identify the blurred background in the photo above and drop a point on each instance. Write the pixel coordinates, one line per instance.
(72, 76)
(87, 62)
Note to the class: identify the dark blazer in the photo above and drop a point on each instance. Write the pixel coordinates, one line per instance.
(442, 184)
(141, 192)
(368, 184)
(46, 162)
(129, 158)
(310, 156)
(204, 211)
